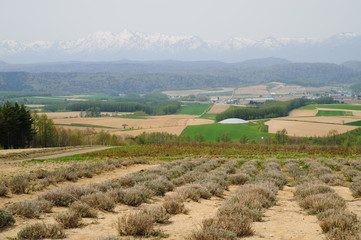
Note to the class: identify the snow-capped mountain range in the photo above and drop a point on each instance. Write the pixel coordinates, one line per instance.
(107, 46)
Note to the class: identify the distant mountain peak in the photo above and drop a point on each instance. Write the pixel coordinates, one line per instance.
(108, 46)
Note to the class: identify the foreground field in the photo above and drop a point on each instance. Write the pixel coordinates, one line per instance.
(196, 198)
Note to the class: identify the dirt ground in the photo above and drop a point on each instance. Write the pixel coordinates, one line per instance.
(218, 108)
(352, 204)
(305, 129)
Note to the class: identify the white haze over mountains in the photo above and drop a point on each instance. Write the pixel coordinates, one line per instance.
(107, 46)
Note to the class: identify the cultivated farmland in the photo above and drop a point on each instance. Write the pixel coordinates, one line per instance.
(193, 198)
(317, 121)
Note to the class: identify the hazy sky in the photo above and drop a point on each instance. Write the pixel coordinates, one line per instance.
(29, 20)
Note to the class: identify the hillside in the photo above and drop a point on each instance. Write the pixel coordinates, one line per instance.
(155, 76)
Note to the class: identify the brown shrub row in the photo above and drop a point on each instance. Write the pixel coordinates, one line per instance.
(41, 178)
(324, 171)
(234, 218)
(318, 198)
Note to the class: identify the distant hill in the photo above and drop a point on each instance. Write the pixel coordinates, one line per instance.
(354, 65)
(146, 77)
(127, 66)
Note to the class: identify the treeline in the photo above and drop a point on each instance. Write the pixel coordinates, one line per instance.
(156, 108)
(159, 108)
(5, 95)
(270, 109)
(20, 129)
(219, 75)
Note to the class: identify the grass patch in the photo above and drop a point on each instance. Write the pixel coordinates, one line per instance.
(332, 106)
(333, 113)
(210, 116)
(213, 131)
(357, 123)
(246, 151)
(195, 109)
(76, 157)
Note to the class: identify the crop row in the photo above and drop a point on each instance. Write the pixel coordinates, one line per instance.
(132, 190)
(234, 218)
(202, 186)
(40, 179)
(167, 150)
(321, 200)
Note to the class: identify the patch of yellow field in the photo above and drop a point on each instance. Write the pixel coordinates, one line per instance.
(194, 92)
(169, 123)
(303, 113)
(283, 89)
(325, 119)
(305, 129)
(252, 91)
(55, 115)
(218, 108)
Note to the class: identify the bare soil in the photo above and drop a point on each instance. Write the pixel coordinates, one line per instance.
(218, 108)
(252, 91)
(303, 113)
(305, 129)
(352, 204)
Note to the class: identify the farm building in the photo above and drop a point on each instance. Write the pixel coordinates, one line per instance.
(233, 121)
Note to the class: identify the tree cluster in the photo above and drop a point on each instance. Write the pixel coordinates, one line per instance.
(270, 109)
(16, 130)
(94, 107)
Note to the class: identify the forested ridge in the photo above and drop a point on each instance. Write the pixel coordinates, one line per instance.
(208, 76)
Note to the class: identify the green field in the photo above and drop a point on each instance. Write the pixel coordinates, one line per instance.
(213, 131)
(332, 106)
(210, 116)
(195, 109)
(333, 113)
(357, 123)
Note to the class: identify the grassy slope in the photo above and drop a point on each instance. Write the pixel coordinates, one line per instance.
(333, 113)
(212, 131)
(332, 106)
(357, 123)
(196, 109)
